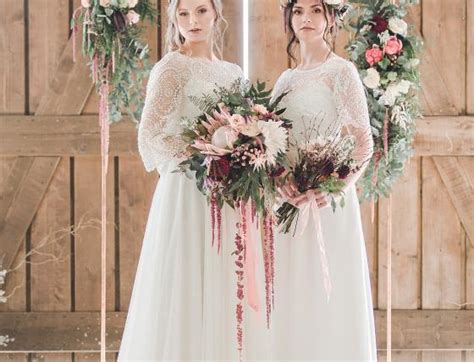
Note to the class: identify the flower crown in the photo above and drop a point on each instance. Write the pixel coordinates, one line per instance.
(340, 8)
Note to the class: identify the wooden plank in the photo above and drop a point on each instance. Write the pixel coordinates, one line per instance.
(459, 188)
(405, 216)
(50, 280)
(444, 33)
(80, 135)
(233, 41)
(470, 58)
(61, 331)
(87, 210)
(267, 42)
(12, 176)
(444, 136)
(467, 164)
(371, 244)
(48, 34)
(78, 331)
(51, 268)
(399, 356)
(12, 61)
(442, 269)
(63, 135)
(442, 356)
(15, 288)
(29, 181)
(136, 190)
(70, 87)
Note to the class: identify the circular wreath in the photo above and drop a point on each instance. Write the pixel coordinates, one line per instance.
(386, 53)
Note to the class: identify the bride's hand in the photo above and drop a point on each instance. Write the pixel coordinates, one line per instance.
(290, 194)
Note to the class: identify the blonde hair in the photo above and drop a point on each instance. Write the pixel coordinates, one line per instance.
(175, 41)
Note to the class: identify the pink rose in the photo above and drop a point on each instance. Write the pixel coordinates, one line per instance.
(133, 17)
(393, 45)
(373, 55)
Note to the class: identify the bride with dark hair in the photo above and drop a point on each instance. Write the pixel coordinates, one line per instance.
(325, 89)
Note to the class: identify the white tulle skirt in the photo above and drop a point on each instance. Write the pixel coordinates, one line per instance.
(183, 305)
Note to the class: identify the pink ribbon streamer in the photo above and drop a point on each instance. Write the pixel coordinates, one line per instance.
(248, 233)
(312, 208)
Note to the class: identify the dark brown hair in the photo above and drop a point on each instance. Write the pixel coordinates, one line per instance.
(293, 40)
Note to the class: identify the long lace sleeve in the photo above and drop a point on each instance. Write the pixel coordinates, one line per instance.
(352, 111)
(157, 138)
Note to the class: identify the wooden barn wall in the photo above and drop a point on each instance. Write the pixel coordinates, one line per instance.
(433, 256)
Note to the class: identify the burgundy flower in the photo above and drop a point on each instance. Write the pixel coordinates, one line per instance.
(219, 169)
(327, 169)
(119, 20)
(380, 24)
(277, 172)
(343, 171)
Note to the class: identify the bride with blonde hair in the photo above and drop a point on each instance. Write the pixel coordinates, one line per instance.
(174, 310)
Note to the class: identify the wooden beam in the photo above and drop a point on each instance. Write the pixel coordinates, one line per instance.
(26, 185)
(79, 331)
(445, 136)
(460, 190)
(80, 135)
(63, 135)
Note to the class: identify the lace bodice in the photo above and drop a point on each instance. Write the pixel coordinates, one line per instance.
(328, 100)
(173, 80)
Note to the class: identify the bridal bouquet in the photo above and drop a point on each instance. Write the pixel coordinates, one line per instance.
(321, 164)
(237, 147)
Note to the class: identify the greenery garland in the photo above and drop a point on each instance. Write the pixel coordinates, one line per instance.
(387, 55)
(111, 32)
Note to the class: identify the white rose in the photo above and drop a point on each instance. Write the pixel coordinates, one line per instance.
(393, 91)
(398, 26)
(333, 2)
(403, 86)
(390, 95)
(372, 80)
(86, 3)
(132, 3)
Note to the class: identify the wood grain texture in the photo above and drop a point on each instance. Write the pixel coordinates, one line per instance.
(56, 331)
(80, 135)
(268, 58)
(444, 33)
(12, 59)
(406, 241)
(136, 190)
(442, 269)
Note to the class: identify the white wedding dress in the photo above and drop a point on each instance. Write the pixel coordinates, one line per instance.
(176, 310)
(183, 304)
(307, 326)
